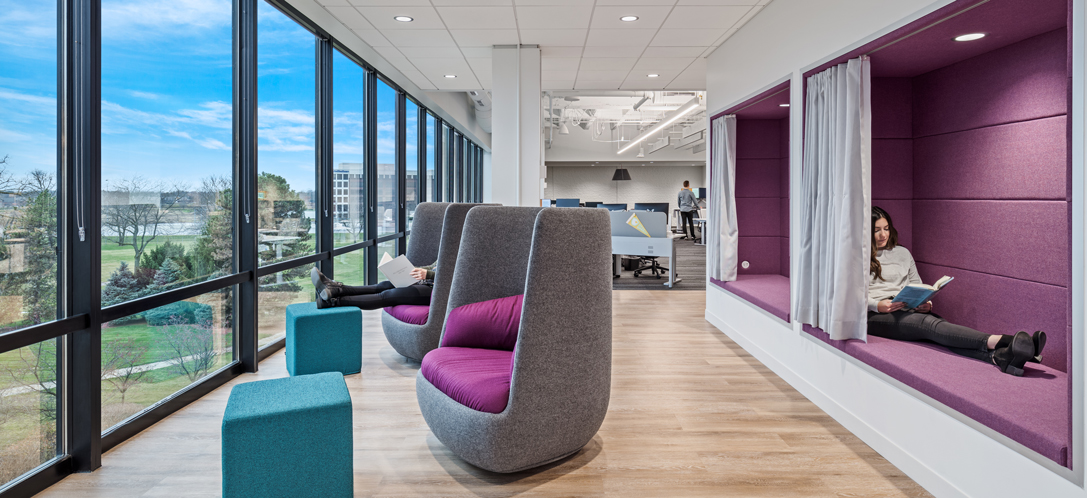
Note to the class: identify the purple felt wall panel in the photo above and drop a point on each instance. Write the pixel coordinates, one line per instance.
(892, 169)
(1019, 82)
(758, 217)
(784, 256)
(892, 106)
(1026, 160)
(1000, 305)
(757, 139)
(784, 209)
(762, 253)
(783, 137)
(758, 178)
(1019, 239)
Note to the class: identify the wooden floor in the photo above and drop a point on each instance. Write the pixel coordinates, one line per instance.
(692, 414)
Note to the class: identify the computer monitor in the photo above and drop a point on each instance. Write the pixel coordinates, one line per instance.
(547, 202)
(700, 192)
(591, 204)
(568, 203)
(613, 207)
(659, 207)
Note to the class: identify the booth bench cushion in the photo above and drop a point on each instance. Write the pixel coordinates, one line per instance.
(769, 292)
(491, 324)
(1032, 409)
(476, 378)
(415, 314)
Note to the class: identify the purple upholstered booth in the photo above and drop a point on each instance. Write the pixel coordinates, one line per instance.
(762, 200)
(970, 157)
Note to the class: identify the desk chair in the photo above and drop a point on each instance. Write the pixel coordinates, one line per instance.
(650, 263)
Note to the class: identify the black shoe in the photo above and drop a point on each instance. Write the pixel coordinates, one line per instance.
(1011, 359)
(326, 287)
(323, 303)
(1039, 345)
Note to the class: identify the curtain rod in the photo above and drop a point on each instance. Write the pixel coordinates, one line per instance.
(963, 11)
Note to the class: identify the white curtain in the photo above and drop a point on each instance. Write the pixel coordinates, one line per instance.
(722, 240)
(835, 229)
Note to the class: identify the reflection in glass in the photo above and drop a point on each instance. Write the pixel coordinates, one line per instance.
(351, 267)
(386, 160)
(348, 135)
(275, 293)
(166, 155)
(431, 155)
(149, 356)
(29, 408)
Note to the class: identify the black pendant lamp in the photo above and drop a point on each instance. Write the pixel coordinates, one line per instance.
(620, 174)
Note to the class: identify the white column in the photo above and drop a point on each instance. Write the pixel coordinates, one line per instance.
(516, 169)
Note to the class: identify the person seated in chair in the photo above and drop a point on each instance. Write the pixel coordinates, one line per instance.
(892, 268)
(331, 293)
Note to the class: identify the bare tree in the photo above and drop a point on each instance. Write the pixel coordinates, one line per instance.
(120, 364)
(38, 372)
(192, 347)
(141, 222)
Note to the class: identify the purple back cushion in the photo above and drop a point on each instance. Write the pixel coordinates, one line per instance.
(410, 313)
(486, 325)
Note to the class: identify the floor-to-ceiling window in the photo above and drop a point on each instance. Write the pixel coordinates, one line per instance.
(387, 182)
(431, 178)
(411, 154)
(349, 175)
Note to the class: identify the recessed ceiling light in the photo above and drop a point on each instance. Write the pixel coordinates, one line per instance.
(652, 75)
(628, 18)
(783, 105)
(404, 18)
(450, 76)
(970, 37)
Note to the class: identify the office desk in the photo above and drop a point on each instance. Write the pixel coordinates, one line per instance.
(647, 246)
(701, 231)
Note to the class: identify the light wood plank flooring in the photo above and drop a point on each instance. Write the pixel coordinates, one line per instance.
(692, 414)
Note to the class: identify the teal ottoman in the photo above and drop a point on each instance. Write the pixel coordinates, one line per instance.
(288, 437)
(328, 340)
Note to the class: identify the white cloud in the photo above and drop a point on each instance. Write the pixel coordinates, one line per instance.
(211, 143)
(27, 98)
(143, 95)
(129, 18)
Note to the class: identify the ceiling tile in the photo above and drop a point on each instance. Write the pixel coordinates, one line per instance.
(673, 52)
(478, 17)
(476, 52)
(446, 51)
(550, 2)
(382, 17)
(388, 3)
(419, 80)
(388, 51)
(708, 52)
(557, 84)
(705, 17)
(560, 63)
(686, 37)
(554, 37)
(480, 65)
(459, 83)
(621, 37)
(334, 3)
(350, 17)
(373, 38)
(597, 85)
(484, 37)
(659, 64)
(649, 17)
(419, 38)
(720, 2)
(559, 74)
(658, 82)
(754, 11)
(638, 85)
(728, 34)
(592, 52)
(685, 84)
(560, 51)
(635, 2)
(623, 64)
(564, 17)
(484, 81)
(442, 66)
(595, 75)
(458, 3)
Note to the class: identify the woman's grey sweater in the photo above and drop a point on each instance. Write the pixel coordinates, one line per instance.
(898, 271)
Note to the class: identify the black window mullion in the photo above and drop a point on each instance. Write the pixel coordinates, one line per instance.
(438, 173)
(245, 179)
(458, 166)
(401, 170)
(323, 204)
(369, 107)
(421, 154)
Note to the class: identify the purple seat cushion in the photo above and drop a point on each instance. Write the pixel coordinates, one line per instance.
(410, 313)
(476, 378)
(489, 324)
(1032, 409)
(769, 292)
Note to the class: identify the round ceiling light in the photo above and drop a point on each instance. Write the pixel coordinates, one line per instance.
(970, 37)
(403, 19)
(450, 76)
(652, 75)
(628, 18)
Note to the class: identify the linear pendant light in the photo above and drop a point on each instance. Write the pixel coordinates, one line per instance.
(679, 113)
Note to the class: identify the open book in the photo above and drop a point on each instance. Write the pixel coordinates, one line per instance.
(915, 295)
(397, 270)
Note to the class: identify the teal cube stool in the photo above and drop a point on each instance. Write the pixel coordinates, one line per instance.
(288, 437)
(328, 340)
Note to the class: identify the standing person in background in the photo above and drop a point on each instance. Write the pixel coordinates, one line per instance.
(688, 206)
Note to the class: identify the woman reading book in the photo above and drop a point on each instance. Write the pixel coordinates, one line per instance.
(892, 269)
(331, 293)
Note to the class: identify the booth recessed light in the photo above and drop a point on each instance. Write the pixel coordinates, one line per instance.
(450, 76)
(783, 105)
(628, 18)
(403, 18)
(970, 37)
(652, 75)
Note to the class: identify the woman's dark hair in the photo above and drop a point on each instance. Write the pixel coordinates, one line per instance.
(892, 240)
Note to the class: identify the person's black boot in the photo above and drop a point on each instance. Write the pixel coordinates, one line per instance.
(326, 287)
(323, 303)
(1039, 345)
(1011, 359)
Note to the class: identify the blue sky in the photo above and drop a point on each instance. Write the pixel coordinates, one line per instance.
(167, 98)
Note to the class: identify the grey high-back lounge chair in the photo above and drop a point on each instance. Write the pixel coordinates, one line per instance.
(435, 237)
(560, 379)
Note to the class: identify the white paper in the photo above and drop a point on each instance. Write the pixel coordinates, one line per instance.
(397, 270)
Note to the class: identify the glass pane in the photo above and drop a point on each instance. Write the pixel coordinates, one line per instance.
(431, 155)
(351, 267)
(386, 160)
(29, 408)
(166, 155)
(286, 138)
(28, 165)
(387, 247)
(411, 153)
(149, 356)
(447, 161)
(275, 293)
(349, 175)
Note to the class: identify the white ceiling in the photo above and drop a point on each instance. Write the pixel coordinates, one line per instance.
(583, 43)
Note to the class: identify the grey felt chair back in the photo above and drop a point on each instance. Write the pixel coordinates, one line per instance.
(426, 233)
(561, 381)
(415, 341)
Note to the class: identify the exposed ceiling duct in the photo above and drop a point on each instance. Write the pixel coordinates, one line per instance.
(481, 103)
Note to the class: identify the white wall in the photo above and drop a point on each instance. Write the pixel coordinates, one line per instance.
(579, 146)
(647, 183)
(457, 106)
(945, 453)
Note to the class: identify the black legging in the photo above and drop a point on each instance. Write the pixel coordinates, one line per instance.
(913, 326)
(384, 294)
(687, 218)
